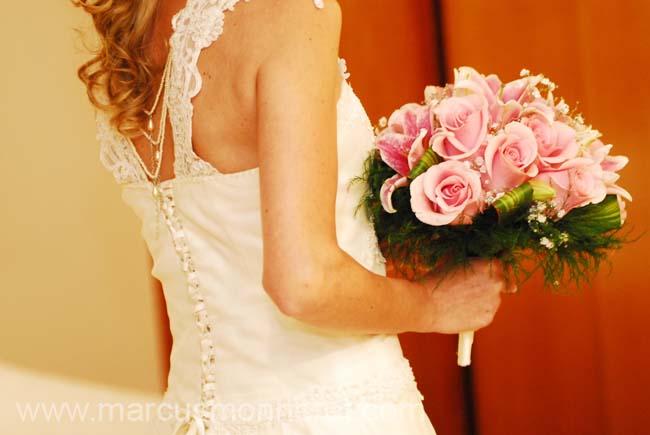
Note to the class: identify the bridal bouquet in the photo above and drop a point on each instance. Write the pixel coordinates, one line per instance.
(494, 170)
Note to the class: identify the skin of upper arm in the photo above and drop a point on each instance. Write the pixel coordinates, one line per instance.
(297, 91)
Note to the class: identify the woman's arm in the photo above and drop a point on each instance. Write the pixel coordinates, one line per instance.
(305, 271)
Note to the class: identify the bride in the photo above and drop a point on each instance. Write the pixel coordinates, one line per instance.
(237, 156)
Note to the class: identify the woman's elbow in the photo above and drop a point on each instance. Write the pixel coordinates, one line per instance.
(297, 291)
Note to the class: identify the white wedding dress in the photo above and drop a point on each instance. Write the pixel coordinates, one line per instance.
(238, 365)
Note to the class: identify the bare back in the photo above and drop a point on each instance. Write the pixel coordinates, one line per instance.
(224, 120)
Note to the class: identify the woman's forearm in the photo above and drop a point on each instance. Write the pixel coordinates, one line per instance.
(339, 293)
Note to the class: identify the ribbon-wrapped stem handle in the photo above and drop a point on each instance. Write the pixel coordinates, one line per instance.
(465, 340)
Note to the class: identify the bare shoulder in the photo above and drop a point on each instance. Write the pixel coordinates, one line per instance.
(295, 24)
(305, 11)
(288, 11)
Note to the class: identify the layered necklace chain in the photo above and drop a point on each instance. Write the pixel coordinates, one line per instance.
(156, 142)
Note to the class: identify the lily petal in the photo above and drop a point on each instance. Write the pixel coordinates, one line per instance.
(614, 163)
(417, 149)
(387, 189)
(617, 190)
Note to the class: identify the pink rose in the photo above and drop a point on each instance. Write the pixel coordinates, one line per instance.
(541, 107)
(510, 104)
(505, 102)
(402, 143)
(520, 90)
(556, 141)
(490, 86)
(464, 122)
(576, 187)
(510, 157)
(447, 193)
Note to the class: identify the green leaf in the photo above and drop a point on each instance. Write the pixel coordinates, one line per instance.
(514, 201)
(602, 217)
(429, 158)
(542, 191)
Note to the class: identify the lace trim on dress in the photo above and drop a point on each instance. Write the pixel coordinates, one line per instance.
(249, 417)
(343, 69)
(373, 255)
(195, 27)
(115, 153)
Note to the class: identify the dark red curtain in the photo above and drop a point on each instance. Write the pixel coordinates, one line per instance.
(561, 364)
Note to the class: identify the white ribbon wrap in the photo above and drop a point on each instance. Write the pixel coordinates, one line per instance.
(465, 340)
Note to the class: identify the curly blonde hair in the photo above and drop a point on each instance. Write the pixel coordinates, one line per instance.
(119, 76)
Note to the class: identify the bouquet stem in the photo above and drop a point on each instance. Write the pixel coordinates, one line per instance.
(465, 340)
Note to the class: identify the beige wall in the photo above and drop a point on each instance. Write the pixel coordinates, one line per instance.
(75, 298)
(32, 403)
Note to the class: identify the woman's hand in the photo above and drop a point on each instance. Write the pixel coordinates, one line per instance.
(467, 299)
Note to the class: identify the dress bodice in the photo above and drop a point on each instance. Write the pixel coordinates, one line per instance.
(231, 344)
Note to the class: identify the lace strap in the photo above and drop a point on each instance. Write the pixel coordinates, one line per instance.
(115, 153)
(196, 27)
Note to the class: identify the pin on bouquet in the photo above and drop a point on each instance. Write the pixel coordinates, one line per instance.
(493, 170)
